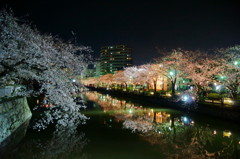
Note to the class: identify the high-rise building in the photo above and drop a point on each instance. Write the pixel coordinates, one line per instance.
(114, 58)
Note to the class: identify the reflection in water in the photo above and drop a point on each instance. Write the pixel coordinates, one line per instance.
(60, 145)
(176, 135)
(14, 138)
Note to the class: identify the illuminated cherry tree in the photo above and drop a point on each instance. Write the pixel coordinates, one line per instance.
(200, 68)
(106, 79)
(120, 78)
(229, 75)
(171, 66)
(46, 65)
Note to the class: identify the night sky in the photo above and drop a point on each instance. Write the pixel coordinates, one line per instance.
(143, 26)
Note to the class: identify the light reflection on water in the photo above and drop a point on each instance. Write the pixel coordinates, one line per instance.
(119, 129)
(172, 133)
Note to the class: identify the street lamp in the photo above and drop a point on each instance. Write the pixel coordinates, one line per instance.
(222, 77)
(171, 73)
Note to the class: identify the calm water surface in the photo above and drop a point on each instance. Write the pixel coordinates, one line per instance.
(120, 129)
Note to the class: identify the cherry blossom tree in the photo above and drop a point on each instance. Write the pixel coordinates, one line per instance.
(200, 68)
(119, 77)
(136, 75)
(171, 67)
(46, 63)
(229, 74)
(106, 79)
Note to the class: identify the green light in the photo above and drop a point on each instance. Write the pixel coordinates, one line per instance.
(171, 73)
(235, 62)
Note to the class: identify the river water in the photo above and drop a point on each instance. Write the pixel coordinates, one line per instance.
(125, 129)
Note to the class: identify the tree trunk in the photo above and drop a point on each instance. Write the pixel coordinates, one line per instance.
(155, 86)
(173, 87)
(126, 85)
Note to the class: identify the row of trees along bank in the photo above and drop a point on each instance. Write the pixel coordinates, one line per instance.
(194, 72)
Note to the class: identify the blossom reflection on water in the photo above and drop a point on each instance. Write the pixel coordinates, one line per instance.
(172, 132)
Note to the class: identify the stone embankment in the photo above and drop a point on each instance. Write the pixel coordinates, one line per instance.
(13, 114)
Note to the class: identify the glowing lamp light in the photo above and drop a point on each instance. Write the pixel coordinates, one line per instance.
(168, 94)
(171, 73)
(218, 87)
(227, 134)
(235, 62)
(185, 119)
(215, 84)
(215, 132)
(74, 80)
(230, 101)
(222, 77)
(185, 98)
(130, 110)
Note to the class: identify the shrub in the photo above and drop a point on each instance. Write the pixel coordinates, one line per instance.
(214, 96)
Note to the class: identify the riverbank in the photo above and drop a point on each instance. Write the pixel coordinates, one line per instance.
(215, 110)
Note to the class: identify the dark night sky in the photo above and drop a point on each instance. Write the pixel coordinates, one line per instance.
(193, 24)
